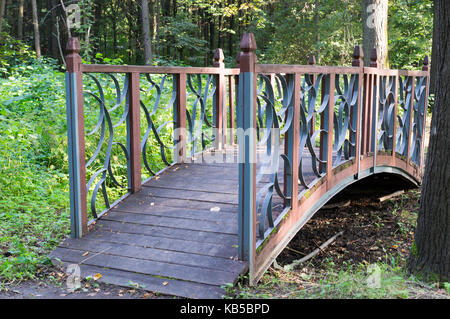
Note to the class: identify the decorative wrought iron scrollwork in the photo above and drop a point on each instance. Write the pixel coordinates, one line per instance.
(346, 118)
(385, 117)
(106, 128)
(312, 110)
(159, 106)
(403, 114)
(198, 122)
(274, 118)
(418, 119)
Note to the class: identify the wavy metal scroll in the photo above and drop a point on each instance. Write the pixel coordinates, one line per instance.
(386, 107)
(310, 110)
(345, 119)
(106, 129)
(156, 89)
(197, 113)
(274, 118)
(403, 114)
(418, 119)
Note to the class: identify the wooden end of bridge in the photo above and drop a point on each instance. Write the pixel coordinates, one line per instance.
(177, 236)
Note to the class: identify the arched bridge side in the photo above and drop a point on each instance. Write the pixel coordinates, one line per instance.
(305, 132)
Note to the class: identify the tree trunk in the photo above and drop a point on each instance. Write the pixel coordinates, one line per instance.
(316, 27)
(433, 58)
(37, 41)
(2, 14)
(430, 254)
(375, 19)
(146, 33)
(20, 21)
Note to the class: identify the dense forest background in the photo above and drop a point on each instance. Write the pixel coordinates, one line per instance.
(187, 31)
(34, 183)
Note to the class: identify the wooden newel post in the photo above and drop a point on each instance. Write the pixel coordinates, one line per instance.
(219, 123)
(75, 136)
(247, 150)
(180, 136)
(134, 133)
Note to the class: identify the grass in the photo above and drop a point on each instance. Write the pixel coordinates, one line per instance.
(348, 282)
(34, 181)
(336, 275)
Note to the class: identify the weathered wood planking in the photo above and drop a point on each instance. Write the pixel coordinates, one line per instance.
(180, 229)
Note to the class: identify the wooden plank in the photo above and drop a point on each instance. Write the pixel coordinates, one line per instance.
(188, 273)
(158, 210)
(158, 231)
(226, 227)
(187, 245)
(150, 191)
(154, 284)
(173, 202)
(166, 256)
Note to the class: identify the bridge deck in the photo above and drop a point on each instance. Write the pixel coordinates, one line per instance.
(177, 236)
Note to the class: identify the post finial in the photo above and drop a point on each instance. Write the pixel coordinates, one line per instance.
(247, 56)
(73, 58)
(426, 62)
(312, 60)
(358, 56)
(374, 58)
(218, 58)
(248, 43)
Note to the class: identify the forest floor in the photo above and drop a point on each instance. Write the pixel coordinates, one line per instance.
(377, 237)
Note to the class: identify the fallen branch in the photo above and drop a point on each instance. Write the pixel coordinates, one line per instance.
(382, 199)
(297, 262)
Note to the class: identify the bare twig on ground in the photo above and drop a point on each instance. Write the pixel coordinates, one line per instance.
(291, 266)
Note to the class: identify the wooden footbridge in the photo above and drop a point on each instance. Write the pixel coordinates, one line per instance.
(183, 178)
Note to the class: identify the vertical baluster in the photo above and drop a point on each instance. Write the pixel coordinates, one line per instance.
(247, 150)
(180, 118)
(358, 56)
(134, 133)
(293, 144)
(231, 108)
(75, 135)
(374, 64)
(312, 62)
(394, 117)
(220, 81)
(329, 124)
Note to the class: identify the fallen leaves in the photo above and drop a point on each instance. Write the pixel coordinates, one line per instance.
(97, 276)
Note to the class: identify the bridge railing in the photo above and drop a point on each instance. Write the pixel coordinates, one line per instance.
(307, 131)
(127, 123)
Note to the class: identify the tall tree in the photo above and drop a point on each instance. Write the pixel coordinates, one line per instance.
(375, 19)
(2, 14)
(20, 21)
(146, 32)
(37, 41)
(430, 254)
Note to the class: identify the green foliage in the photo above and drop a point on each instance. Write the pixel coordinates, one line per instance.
(33, 174)
(410, 33)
